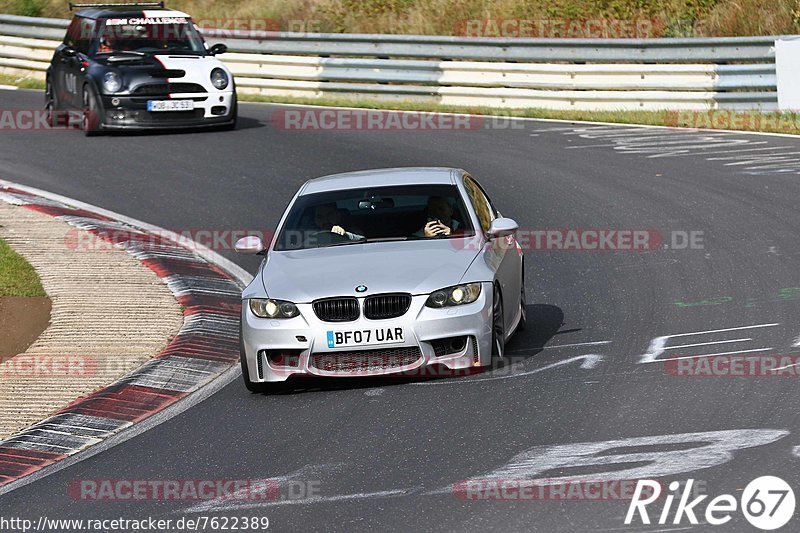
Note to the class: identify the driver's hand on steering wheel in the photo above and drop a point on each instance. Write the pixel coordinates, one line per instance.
(338, 230)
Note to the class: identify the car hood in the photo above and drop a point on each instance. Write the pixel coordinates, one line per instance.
(416, 267)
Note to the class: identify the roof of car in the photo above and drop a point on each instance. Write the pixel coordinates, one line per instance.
(103, 13)
(382, 177)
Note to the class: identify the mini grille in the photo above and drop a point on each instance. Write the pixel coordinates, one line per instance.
(167, 88)
(365, 360)
(336, 309)
(383, 306)
(167, 73)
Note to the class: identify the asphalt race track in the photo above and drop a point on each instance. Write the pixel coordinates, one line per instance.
(385, 454)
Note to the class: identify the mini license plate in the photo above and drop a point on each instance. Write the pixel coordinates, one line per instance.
(170, 105)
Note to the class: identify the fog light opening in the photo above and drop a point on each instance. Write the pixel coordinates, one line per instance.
(457, 344)
(283, 358)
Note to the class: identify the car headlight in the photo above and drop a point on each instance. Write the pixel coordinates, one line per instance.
(269, 308)
(455, 295)
(219, 78)
(112, 82)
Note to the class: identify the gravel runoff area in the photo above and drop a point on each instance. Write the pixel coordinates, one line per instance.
(110, 314)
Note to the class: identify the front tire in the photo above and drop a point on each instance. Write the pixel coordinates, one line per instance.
(498, 325)
(91, 113)
(50, 105)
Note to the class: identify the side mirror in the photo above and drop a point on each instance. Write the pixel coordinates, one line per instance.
(217, 49)
(502, 227)
(68, 51)
(249, 245)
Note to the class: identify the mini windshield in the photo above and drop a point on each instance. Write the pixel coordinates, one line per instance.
(376, 214)
(174, 34)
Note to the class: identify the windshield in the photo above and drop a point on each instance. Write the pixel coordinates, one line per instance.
(173, 34)
(375, 214)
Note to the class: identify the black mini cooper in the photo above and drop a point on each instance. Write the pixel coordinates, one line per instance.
(138, 66)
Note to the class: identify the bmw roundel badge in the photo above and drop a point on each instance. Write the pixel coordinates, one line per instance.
(361, 288)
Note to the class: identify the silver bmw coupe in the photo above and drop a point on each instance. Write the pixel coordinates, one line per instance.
(382, 272)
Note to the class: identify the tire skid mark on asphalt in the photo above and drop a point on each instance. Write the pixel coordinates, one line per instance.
(589, 362)
(206, 346)
(231, 503)
(238, 505)
(683, 143)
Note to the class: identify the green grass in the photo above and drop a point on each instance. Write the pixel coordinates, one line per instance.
(21, 82)
(671, 18)
(17, 277)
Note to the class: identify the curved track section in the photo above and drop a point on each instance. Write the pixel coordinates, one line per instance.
(592, 368)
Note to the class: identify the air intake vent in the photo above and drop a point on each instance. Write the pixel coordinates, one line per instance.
(382, 306)
(336, 309)
(365, 360)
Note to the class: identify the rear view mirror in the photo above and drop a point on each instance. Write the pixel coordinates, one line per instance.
(217, 49)
(251, 245)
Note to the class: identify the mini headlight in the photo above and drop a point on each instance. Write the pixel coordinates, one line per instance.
(111, 82)
(456, 295)
(219, 78)
(269, 308)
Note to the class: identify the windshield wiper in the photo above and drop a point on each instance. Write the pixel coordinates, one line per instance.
(124, 55)
(344, 243)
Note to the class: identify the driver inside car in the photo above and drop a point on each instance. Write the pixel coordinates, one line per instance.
(328, 218)
(440, 219)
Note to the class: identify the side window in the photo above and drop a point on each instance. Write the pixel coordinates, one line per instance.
(480, 203)
(83, 40)
(73, 32)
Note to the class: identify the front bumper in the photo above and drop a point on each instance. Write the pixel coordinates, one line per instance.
(423, 328)
(130, 112)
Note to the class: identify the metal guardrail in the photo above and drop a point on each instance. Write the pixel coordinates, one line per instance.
(495, 72)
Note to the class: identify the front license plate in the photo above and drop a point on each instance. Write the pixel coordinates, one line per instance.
(364, 337)
(170, 105)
